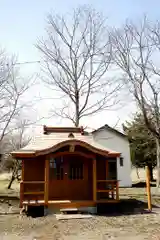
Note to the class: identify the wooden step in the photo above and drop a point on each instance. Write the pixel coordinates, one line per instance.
(69, 210)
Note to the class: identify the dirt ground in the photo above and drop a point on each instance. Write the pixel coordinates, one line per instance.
(128, 222)
(129, 227)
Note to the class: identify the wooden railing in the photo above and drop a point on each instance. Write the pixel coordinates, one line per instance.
(24, 192)
(110, 188)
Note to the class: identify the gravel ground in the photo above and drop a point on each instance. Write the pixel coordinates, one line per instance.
(124, 227)
(130, 227)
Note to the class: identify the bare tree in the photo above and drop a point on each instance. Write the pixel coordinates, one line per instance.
(19, 138)
(136, 50)
(12, 89)
(77, 55)
(16, 140)
(13, 104)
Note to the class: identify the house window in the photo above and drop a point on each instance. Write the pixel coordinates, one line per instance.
(112, 170)
(52, 163)
(121, 161)
(56, 168)
(76, 171)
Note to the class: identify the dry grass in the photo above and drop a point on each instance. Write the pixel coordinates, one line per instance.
(4, 191)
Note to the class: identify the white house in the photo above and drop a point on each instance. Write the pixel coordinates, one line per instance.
(117, 141)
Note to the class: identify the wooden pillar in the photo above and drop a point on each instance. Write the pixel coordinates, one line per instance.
(107, 177)
(22, 186)
(148, 189)
(113, 189)
(46, 178)
(106, 169)
(117, 190)
(22, 173)
(94, 180)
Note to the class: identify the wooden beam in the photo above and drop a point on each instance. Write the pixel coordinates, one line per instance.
(33, 182)
(148, 188)
(117, 191)
(48, 129)
(106, 190)
(109, 181)
(34, 203)
(20, 155)
(22, 186)
(34, 193)
(54, 155)
(46, 186)
(94, 180)
(113, 190)
(21, 195)
(107, 176)
(22, 173)
(108, 201)
(71, 148)
(106, 169)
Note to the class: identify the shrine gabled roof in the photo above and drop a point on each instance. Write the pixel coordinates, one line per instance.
(54, 140)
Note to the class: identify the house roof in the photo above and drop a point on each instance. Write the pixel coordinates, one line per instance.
(107, 127)
(56, 138)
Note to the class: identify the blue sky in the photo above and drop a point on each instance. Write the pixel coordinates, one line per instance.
(22, 22)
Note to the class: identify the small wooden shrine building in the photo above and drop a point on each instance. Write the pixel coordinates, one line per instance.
(66, 168)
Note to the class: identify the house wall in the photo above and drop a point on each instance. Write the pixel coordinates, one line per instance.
(118, 143)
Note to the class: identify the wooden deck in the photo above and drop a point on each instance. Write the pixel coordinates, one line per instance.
(67, 203)
(105, 191)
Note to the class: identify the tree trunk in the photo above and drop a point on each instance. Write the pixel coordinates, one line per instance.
(150, 167)
(137, 173)
(77, 108)
(11, 181)
(158, 162)
(14, 174)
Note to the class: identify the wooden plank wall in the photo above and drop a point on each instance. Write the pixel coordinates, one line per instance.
(34, 171)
